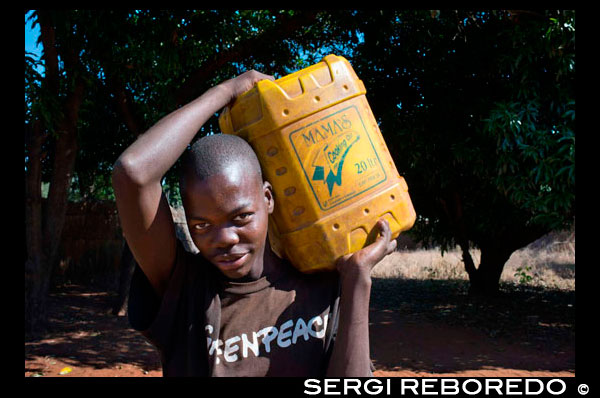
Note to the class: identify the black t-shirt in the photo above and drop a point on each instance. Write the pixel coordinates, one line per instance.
(207, 325)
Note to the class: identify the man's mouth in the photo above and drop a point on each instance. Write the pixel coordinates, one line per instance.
(231, 260)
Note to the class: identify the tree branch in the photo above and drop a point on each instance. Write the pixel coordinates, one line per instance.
(64, 162)
(64, 158)
(285, 28)
(125, 105)
(49, 53)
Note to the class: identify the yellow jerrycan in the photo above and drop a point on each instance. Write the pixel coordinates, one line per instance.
(320, 147)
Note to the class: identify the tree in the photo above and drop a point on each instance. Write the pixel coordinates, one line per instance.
(478, 111)
(109, 75)
(51, 119)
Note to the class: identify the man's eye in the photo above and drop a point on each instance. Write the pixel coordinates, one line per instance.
(200, 226)
(243, 217)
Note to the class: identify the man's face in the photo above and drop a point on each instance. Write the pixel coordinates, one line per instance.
(227, 216)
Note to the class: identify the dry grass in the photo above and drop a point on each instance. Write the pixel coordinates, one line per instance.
(538, 311)
(548, 263)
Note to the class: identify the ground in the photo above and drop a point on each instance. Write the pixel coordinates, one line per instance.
(418, 328)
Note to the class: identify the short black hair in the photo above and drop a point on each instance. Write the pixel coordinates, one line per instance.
(212, 154)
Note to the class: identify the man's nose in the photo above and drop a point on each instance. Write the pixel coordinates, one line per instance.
(225, 236)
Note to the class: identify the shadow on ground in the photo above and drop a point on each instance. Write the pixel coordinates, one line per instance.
(423, 326)
(434, 326)
(83, 333)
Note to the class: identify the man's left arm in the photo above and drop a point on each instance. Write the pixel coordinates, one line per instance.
(351, 356)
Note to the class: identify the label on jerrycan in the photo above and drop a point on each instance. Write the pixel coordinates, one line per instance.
(338, 157)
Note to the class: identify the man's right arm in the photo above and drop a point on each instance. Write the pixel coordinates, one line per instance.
(143, 209)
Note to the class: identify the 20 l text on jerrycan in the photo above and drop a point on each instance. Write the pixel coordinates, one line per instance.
(321, 149)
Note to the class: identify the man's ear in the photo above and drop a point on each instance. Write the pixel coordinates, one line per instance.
(269, 198)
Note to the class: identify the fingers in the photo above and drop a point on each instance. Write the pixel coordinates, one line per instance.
(380, 248)
(256, 76)
(245, 82)
(385, 233)
(268, 77)
(385, 237)
(391, 247)
(370, 255)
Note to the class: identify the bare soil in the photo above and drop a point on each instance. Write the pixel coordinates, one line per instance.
(434, 328)
(418, 328)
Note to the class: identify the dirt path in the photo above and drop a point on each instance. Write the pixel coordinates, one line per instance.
(92, 342)
(405, 347)
(85, 337)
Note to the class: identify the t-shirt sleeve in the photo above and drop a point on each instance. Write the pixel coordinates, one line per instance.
(143, 301)
(148, 314)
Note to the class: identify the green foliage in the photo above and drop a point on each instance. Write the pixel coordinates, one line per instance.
(523, 275)
(535, 124)
(151, 55)
(480, 103)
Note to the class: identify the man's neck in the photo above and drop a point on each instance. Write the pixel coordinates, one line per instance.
(270, 263)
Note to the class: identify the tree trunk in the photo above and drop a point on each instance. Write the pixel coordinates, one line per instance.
(43, 238)
(43, 229)
(485, 280)
(496, 246)
(34, 261)
(62, 173)
(36, 270)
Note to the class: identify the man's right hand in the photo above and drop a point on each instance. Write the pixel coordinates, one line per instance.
(244, 82)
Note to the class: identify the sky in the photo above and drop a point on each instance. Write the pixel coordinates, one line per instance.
(31, 36)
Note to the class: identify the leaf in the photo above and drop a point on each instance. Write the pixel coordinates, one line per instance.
(563, 170)
(65, 371)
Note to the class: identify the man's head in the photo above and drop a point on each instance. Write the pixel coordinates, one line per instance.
(226, 203)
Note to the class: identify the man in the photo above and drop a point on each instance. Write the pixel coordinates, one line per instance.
(236, 308)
